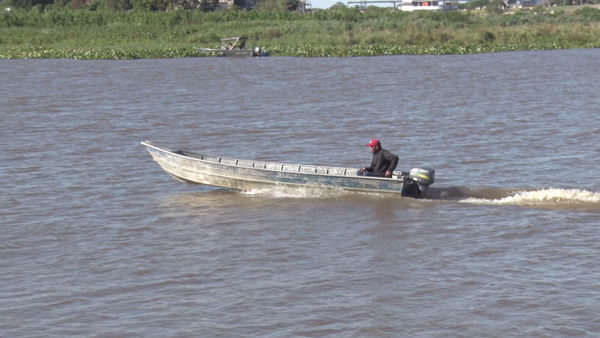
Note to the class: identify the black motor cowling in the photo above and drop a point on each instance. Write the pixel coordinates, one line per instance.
(417, 181)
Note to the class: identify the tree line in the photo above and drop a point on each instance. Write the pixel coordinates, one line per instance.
(213, 5)
(146, 5)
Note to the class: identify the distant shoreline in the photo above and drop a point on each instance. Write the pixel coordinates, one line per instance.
(84, 34)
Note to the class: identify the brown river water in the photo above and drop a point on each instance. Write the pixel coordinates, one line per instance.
(97, 241)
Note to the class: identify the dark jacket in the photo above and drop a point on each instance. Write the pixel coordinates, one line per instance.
(383, 161)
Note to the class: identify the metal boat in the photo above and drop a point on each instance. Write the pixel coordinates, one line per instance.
(242, 174)
(234, 46)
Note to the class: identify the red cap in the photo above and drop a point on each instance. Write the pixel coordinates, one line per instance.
(372, 143)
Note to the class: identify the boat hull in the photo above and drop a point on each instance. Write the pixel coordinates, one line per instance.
(247, 174)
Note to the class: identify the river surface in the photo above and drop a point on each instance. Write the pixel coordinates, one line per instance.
(97, 241)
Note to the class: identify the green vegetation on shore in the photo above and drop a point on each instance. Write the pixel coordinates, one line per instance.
(85, 34)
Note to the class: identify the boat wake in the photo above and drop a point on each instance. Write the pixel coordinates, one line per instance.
(551, 198)
(299, 192)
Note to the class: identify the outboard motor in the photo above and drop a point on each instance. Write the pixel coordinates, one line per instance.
(417, 181)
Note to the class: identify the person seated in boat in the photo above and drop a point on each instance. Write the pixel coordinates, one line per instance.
(382, 164)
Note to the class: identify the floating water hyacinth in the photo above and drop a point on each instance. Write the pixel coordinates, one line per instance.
(100, 53)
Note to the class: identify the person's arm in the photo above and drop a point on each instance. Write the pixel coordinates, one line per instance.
(393, 163)
(370, 168)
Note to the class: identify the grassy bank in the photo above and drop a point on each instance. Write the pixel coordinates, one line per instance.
(342, 32)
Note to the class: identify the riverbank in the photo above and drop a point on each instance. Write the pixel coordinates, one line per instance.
(343, 32)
